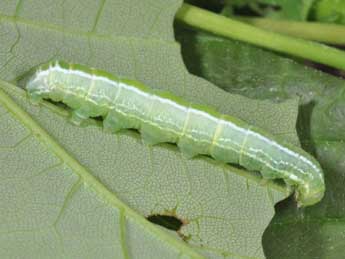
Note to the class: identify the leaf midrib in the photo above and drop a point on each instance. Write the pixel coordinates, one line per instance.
(87, 177)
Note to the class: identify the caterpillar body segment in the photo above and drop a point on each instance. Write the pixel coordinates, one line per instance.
(163, 117)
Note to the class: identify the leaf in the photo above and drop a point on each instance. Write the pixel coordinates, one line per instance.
(256, 73)
(28, 43)
(330, 11)
(226, 209)
(69, 210)
(291, 9)
(279, 9)
(55, 208)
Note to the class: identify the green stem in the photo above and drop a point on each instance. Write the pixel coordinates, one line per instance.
(323, 32)
(229, 28)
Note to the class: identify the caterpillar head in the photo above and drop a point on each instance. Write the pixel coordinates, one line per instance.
(310, 193)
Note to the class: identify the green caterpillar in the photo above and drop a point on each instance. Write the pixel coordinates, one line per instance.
(163, 117)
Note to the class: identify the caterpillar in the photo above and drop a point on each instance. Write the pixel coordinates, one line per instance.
(163, 117)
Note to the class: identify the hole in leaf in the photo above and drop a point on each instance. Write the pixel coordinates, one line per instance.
(169, 222)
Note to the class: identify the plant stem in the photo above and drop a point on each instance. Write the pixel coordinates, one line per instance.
(229, 28)
(323, 32)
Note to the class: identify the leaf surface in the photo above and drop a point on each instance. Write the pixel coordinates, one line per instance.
(330, 11)
(278, 9)
(55, 208)
(225, 210)
(202, 193)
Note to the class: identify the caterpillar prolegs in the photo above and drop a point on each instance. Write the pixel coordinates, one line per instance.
(163, 117)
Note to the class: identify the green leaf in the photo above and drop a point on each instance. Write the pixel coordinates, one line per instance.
(330, 11)
(26, 43)
(54, 207)
(59, 201)
(224, 210)
(280, 9)
(259, 74)
(291, 9)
